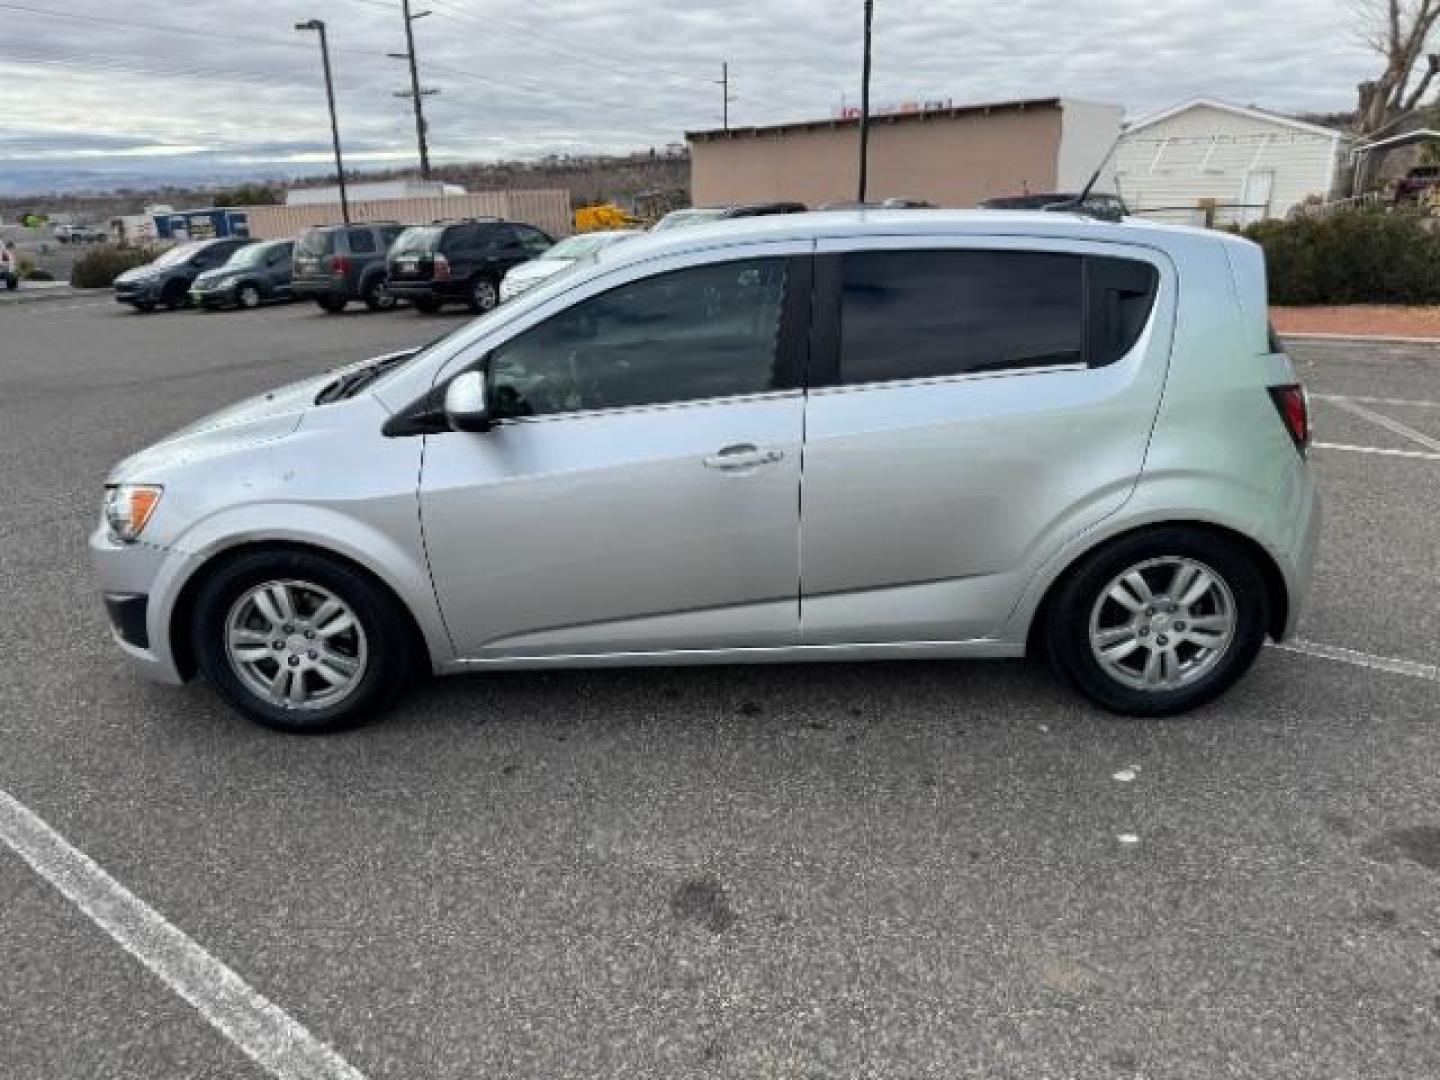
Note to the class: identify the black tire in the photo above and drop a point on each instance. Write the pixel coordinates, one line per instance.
(175, 296)
(331, 305)
(248, 296)
(426, 305)
(376, 296)
(1067, 623)
(390, 646)
(144, 306)
(483, 295)
(12, 283)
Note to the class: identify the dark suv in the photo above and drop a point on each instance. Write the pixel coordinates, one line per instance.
(459, 261)
(335, 264)
(167, 280)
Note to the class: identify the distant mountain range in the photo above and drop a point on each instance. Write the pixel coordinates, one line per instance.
(22, 178)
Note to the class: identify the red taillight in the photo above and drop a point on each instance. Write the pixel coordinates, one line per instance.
(1295, 411)
(339, 264)
(442, 268)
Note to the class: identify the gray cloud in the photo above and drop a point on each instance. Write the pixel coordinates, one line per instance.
(236, 84)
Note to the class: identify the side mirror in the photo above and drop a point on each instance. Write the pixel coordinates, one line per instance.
(465, 406)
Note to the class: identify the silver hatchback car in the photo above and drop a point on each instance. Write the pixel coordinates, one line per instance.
(824, 436)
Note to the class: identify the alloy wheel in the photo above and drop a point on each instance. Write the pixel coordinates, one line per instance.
(1162, 624)
(295, 644)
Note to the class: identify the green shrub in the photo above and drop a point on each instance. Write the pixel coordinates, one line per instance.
(98, 269)
(35, 273)
(1351, 257)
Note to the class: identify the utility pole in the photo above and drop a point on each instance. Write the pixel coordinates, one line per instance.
(416, 95)
(319, 25)
(865, 101)
(725, 96)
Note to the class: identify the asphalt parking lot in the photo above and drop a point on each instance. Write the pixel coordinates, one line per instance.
(887, 870)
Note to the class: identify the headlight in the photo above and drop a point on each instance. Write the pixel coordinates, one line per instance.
(128, 507)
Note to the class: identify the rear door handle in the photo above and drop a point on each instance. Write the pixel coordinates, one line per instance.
(743, 456)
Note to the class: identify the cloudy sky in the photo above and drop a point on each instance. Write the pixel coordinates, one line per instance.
(99, 87)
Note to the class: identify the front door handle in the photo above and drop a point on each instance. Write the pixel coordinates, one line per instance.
(743, 456)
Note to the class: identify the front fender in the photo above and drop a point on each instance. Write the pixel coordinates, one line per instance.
(399, 563)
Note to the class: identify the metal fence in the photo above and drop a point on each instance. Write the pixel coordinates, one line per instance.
(548, 210)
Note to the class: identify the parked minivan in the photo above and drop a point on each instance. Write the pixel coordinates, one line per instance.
(978, 433)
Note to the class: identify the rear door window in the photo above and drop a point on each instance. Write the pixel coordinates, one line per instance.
(362, 242)
(928, 314)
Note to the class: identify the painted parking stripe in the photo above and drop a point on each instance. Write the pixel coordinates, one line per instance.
(265, 1033)
(1413, 668)
(1403, 430)
(1377, 400)
(1384, 451)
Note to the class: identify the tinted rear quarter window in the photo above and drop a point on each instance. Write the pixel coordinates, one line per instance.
(317, 242)
(924, 314)
(362, 242)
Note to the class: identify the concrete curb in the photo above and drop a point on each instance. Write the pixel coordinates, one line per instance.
(1374, 339)
(25, 296)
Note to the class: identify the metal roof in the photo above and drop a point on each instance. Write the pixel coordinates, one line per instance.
(917, 116)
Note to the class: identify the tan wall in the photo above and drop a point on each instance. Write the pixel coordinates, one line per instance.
(952, 162)
(548, 210)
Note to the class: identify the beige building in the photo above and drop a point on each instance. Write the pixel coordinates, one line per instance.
(951, 156)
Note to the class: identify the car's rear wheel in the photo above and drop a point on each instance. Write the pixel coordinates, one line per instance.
(301, 643)
(1158, 622)
(484, 295)
(332, 305)
(376, 296)
(248, 296)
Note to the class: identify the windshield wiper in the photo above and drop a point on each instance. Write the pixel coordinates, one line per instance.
(353, 382)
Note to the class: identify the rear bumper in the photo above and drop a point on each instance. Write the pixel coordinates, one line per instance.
(320, 289)
(1298, 564)
(420, 290)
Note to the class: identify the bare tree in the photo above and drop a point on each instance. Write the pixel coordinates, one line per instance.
(1398, 30)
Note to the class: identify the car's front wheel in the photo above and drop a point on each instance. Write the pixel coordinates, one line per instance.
(1158, 622)
(300, 642)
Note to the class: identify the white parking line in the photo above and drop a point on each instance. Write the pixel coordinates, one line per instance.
(1376, 400)
(1382, 450)
(1403, 430)
(266, 1034)
(1413, 668)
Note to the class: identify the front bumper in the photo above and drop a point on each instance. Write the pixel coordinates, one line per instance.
(139, 583)
(213, 295)
(137, 292)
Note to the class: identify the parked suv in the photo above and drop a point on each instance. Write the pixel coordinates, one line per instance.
(1019, 432)
(254, 275)
(460, 261)
(335, 264)
(167, 280)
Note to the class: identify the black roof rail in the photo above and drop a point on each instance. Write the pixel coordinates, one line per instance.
(467, 220)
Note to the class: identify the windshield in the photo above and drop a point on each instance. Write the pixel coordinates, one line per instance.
(419, 239)
(253, 255)
(681, 218)
(317, 242)
(577, 247)
(177, 255)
